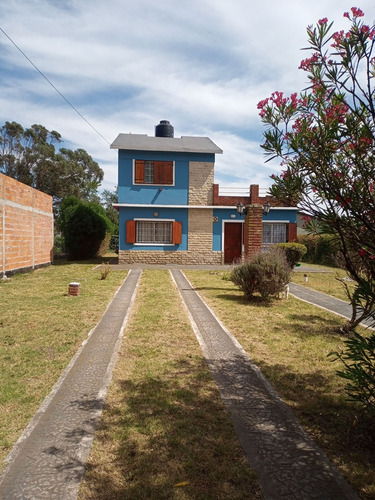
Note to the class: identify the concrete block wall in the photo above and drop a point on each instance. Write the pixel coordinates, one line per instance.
(26, 227)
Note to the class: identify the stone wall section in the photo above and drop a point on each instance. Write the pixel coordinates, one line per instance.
(201, 183)
(199, 245)
(26, 227)
(164, 257)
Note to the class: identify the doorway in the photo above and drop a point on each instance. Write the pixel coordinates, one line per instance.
(232, 241)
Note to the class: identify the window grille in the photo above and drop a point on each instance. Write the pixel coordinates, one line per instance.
(273, 233)
(154, 232)
(149, 172)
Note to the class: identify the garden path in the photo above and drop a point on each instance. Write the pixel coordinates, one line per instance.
(48, 461)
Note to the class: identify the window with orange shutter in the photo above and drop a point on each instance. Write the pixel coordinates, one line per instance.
(153, 172)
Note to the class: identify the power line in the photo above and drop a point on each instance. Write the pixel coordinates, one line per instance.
(53, 86)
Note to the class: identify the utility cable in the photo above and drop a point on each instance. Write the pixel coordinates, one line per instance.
(55, 88)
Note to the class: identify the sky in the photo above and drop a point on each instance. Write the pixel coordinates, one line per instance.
(127, 64)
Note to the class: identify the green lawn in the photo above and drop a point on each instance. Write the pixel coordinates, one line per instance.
(164, 430)
(289, 341)
(41, 328)
(329, 281)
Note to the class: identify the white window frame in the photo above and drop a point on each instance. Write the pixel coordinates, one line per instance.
(152, 184)
(155, 244)
(274, 223)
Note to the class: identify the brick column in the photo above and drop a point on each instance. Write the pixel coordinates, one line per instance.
(254, 193)
(253, 230)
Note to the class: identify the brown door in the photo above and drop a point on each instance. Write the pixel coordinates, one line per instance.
(232, 241)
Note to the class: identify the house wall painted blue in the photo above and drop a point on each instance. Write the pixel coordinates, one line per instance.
(168, 211)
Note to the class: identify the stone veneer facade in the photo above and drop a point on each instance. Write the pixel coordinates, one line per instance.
(200, 220)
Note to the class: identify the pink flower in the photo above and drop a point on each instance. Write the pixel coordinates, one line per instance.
(357, 12)
(262, 104)
(323, 21)
(307, 64)
(346, 14)
(362, 252)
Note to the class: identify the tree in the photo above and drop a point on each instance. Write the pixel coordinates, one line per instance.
(29, 155)
(108, 198)
(84, 226)
(325, 139)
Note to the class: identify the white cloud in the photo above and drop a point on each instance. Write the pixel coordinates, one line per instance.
(124, 64)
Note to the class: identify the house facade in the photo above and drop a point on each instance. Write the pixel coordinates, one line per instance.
(171, 212)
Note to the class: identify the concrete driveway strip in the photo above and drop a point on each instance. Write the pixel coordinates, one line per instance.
(288, 462)
(324, 301)
(48, 461)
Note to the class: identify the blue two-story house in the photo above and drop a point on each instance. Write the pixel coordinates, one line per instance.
(169, 208)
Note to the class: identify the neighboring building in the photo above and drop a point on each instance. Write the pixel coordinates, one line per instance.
(170, 210)
(26, 227)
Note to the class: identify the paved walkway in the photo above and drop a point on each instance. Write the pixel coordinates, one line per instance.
(48, 461)
(324, 301)
(288, 462)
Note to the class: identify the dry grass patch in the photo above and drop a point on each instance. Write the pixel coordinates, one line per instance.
(165, 433)
(41, 328)
(326, 282)
(289, 341)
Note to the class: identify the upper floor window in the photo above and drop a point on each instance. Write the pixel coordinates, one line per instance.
(153, 172)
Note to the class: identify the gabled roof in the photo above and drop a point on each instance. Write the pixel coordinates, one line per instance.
(140, 142)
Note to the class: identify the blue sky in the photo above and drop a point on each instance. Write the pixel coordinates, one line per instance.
(127, 64)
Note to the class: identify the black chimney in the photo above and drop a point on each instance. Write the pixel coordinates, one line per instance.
(164, 129)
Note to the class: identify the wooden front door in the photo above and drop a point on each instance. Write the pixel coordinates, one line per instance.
(232, 241)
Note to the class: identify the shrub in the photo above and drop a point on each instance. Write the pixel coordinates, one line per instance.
(58, 245)
(105, 269)
(321, 249)
(266, 273)
(85, 227)
(359, 361)
(293, 252)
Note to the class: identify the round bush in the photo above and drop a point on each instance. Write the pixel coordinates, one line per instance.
(266, 273)
(293, 252)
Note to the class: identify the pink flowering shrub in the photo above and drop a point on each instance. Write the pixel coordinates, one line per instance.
(324, 138)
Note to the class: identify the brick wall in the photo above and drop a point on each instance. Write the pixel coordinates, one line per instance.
(253, 230)
(26, 227)
(201, 181)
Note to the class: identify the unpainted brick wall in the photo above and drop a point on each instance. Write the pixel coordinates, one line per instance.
(26, 227)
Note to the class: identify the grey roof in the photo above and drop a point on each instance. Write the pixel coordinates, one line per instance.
(140, 142)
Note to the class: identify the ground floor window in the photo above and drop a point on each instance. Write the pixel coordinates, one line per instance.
(153, 232)
(274, 232)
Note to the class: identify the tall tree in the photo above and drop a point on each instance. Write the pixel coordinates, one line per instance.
(29, 155)
(108, 198)
(325, 139)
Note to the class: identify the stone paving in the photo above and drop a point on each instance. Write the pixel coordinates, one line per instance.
(288, 462)
(49, 459)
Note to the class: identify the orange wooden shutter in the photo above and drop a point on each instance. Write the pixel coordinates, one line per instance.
(139, 177)
(292, 232)
(130, 231)
(163, 172)
(176, 233)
